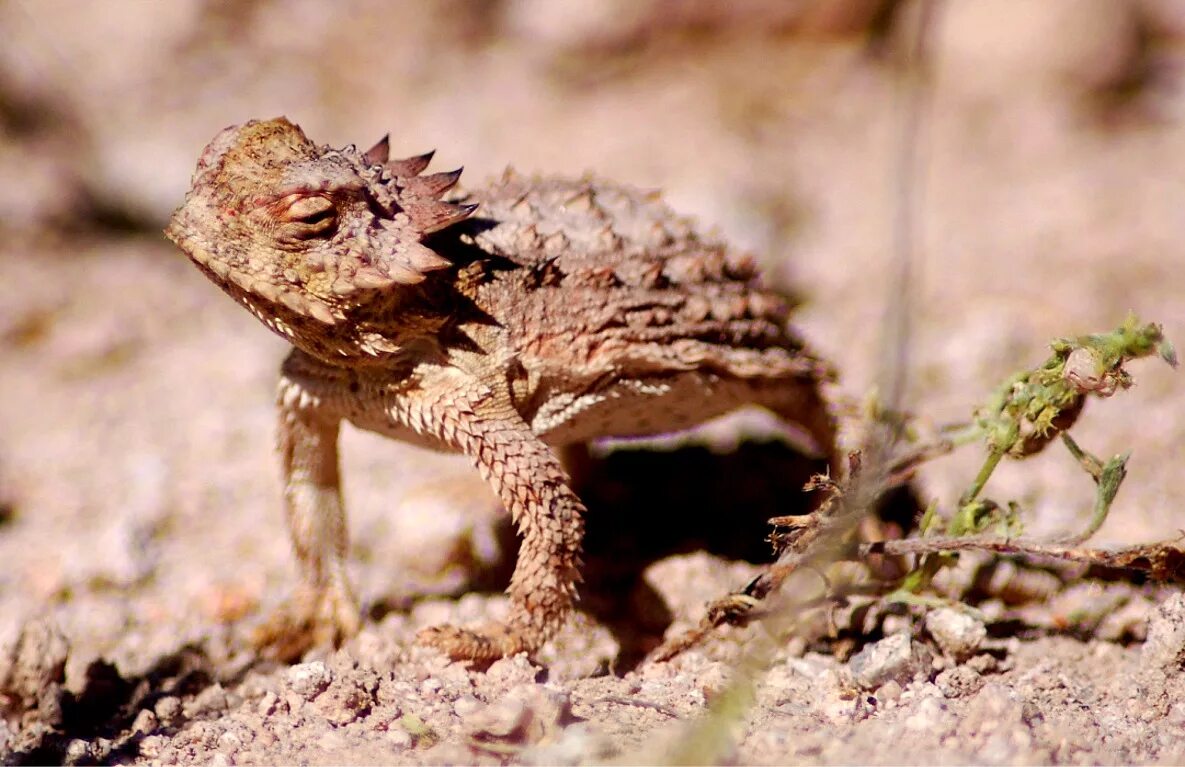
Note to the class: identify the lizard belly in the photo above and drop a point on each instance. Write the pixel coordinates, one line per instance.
(640, 407)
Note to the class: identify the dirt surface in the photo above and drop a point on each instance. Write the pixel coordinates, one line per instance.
(140, 530)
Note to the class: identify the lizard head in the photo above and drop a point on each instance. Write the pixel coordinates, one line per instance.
(304, 236)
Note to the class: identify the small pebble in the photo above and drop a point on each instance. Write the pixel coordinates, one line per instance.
(959, 682)
(151, 746)
(576, 744)
(502, 719)
(929, 716)
(889, 691)
(267, 704)
(509, 672)
(1165, 646)
(308, 680)
(76, 750)
(895, 657)
(400, 738)
(467, 705)
(984, 663)
(958, 633)
(145, 722)
(228, 742)
(213, 699)
(167, 708)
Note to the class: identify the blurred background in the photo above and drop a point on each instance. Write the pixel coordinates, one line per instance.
(136, 471)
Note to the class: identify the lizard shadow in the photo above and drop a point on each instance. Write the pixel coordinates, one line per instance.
(645, 505)
(108, 703)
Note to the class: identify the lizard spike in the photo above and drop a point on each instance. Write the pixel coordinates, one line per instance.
(221, 269)
(609, 239)
(294, 302)
(424, 259)
(404, 275)
(556, 243)
(433, 185)
(713, 265)
(741, 267)
(528, 238)
(581, 202)
(371, 279)
(342, 286)
(652, 276)
(379, 153)
(522, 206)
(410, 166)
(430, 216)
(659, 236)
(321, 313)
(767, 306)
(242, 280)
(265, 289)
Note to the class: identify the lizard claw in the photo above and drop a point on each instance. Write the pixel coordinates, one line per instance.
(487, 644)
(305, 622)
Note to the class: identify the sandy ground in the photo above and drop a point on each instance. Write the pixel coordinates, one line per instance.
(140, 528)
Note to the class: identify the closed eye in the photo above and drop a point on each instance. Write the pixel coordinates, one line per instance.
(307, 208)
(307, 215)
(316, 216)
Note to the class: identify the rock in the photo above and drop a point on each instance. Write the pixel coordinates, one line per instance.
(267, 704)
(167, 708)
(145, 722)
(895, 658)
(77, 750)
(889, 691)
(578, 744)
(525, 715)
(1165, 646)
(504, 720)
(152, 746)
(508, 673)
(32, 674)
(400, 739)
(211, 700)
(466, 706)
(995, 708)
(346, 700)
(959, 682)
(957, 633)
(930, 715)
(308, 680)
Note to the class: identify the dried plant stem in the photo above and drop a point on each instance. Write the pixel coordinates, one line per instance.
(1163, 561)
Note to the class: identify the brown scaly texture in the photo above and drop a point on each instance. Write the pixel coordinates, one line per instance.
(559, 312)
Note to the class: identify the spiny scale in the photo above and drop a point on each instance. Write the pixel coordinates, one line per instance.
(410, 166)
(433, 185)
(379, 153)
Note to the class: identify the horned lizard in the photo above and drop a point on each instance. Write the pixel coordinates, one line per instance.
(535, 313)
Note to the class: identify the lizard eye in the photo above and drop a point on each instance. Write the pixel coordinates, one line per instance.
(308, 216)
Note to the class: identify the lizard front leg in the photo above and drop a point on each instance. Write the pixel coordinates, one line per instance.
(324, 609)
(532, 485)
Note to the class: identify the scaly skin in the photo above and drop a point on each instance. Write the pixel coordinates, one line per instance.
(542, 312)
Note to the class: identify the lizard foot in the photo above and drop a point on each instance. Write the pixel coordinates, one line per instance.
(487, 644)
(305, 622)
